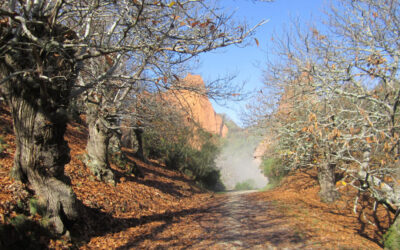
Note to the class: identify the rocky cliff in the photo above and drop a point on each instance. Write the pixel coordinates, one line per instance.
(198, 107)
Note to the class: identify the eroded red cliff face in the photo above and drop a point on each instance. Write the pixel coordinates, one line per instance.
(198, 107)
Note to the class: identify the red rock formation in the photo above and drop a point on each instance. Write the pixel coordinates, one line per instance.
(199, 107)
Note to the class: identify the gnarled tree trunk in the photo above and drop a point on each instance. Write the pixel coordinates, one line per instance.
(38, 106)
(97, 146)
(41, 153)
(327, 182)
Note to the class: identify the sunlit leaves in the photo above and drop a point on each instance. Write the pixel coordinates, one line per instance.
(312, 117)
(341, 183)
(172, 3)
(194, 24)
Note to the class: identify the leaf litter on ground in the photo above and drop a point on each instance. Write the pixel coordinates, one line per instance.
(165, 209)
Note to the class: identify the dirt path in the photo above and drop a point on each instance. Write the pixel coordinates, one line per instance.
(228, 221)
(237, 220)
(243, 223)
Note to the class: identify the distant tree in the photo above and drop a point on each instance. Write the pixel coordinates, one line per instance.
(150, 112)
(45, 45)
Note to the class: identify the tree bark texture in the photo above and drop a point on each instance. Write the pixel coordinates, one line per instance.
(327, 182)
(38, 99)
(97, 146)
(38, 107)
(41, 153)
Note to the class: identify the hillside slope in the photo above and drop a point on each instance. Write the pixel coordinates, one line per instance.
(164, 209)
(106, 209)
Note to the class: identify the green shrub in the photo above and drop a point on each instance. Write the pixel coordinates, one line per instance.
(202, 164)
(20, 222)
(392, 236)
(155, 146)
(119, 159)
(248, 184)
(178, 154)
(122, 162)
(36, 208)
(199, 164)
(274, 169)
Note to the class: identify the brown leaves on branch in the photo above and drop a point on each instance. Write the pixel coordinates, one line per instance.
(312, 117)
(109, 61)
(376, 59)
(4, 21)
(334, 134)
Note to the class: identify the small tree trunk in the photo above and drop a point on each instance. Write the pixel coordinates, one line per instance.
(139, 153)
(327, 182)
(128, 138)
(97, 147)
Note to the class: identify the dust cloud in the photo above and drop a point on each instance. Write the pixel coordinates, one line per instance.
(237, 163)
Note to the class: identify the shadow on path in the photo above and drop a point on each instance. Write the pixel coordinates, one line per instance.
(227, 221)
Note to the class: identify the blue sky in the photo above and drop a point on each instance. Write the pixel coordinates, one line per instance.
(248, 62)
